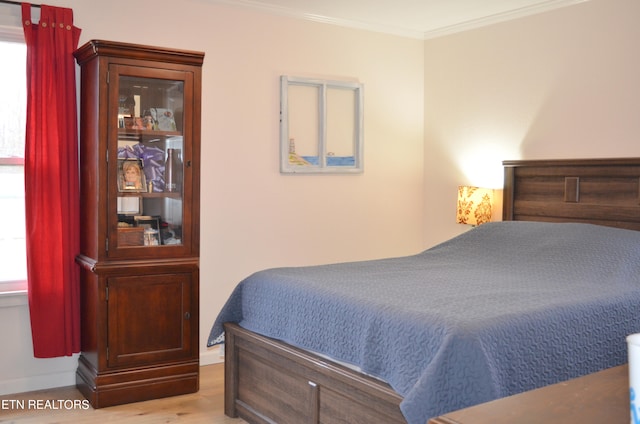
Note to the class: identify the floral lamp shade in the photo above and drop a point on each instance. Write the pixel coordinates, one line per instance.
(474, 205)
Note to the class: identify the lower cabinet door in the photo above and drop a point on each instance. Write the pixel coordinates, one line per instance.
(149, 319)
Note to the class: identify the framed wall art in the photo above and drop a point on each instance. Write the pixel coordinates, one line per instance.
(321, 126)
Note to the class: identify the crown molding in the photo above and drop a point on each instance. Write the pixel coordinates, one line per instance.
(348, 23)
(403, 32)
(500, 17)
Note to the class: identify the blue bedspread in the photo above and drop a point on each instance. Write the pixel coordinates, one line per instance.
(503, 308)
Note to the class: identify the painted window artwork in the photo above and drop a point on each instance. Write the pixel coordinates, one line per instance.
(320, 126)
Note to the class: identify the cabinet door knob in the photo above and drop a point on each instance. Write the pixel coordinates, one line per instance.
(187, 315)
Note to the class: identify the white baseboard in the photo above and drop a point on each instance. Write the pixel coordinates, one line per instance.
(37, 382)
(68, 378)
(214, 355)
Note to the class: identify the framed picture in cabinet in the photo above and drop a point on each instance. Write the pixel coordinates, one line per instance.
(129, 205)
(151, 225)
(131, 178)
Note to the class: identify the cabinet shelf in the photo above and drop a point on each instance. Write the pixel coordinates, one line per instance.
(133, 132)
(155, 195)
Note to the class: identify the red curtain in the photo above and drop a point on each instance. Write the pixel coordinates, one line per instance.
(51, 182)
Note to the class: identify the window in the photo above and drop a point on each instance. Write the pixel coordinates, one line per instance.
(13, 263)
(320, 126)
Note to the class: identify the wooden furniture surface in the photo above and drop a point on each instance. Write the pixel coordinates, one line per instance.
(596, 191)
(311, 389)
(267, 381)
(204, 407)
(139, 295)
(602, 397)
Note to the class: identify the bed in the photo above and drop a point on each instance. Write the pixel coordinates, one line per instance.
(546, 295)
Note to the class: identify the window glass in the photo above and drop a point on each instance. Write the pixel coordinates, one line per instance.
(13, 269)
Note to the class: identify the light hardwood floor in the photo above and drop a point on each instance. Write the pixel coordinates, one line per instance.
(205, 406)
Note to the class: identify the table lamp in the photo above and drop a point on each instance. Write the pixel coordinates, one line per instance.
(474, 205)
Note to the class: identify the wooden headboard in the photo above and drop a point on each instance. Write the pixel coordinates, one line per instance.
(596, 191)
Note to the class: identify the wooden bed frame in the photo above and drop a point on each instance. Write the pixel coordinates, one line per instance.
(268, 381)
(596, 191)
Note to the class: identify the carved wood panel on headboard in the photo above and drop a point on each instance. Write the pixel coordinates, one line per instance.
(597, 191)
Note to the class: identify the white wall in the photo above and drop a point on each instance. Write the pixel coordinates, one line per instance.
(251, 216)
(562, 84)
(19, 371)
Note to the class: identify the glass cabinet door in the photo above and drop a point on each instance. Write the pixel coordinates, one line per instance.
(150, 137)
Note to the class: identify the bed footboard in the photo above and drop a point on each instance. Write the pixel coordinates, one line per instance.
(267, 381)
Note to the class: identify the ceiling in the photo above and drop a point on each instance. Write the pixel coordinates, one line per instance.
(411, 18)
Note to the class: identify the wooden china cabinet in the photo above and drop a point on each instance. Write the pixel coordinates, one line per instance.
(140, 194)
